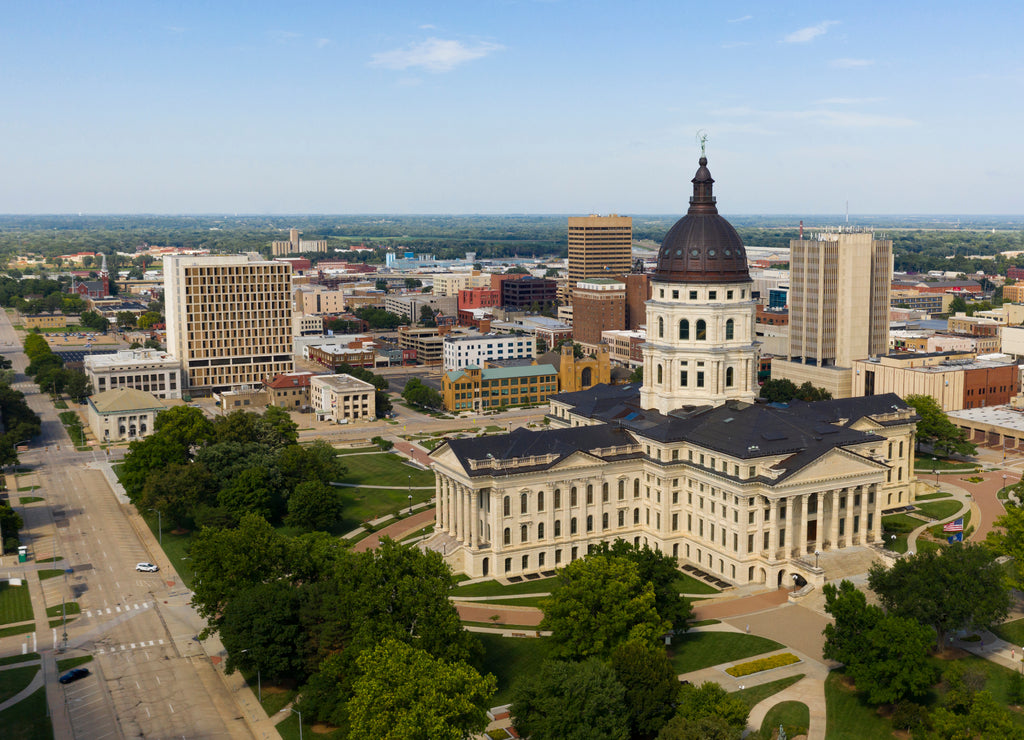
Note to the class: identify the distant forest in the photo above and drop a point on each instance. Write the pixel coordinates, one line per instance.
(920, 243)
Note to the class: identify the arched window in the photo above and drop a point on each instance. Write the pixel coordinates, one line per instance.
(522, 503)
(590, 523)
(636, 516)
(661, 326)
(636, 488)
(572, 526)
(506, 506)
(604, 491)
(590, 494)
(540, 531)
(558, 528)
(728, 377)
(622, 518)
(507, 537)
(572, 496)
(622, 489)
(558, 498)
(522, 533)
(659, 375)
(540, 500)
(684, 329)
(604, 521)
(702, 330)
(729, 328)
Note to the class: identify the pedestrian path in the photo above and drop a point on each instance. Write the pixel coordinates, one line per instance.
(956, 492)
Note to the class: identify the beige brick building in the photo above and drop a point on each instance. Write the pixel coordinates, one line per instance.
(599, 246)
(228, 319)
(341, 398)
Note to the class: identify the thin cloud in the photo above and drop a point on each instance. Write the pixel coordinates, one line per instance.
(428, 27)
(740, 19)
(848, 101)
(810, 33)
(321, 43)
(851, 63)
(434, 55)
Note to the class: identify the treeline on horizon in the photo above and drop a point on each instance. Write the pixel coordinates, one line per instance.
(920, 243)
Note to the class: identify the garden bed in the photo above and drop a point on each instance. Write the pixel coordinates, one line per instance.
(762, 664)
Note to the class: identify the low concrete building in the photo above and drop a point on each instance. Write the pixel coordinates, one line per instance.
(342, 398)
(150, 370)
(123, 414)
(476, 349)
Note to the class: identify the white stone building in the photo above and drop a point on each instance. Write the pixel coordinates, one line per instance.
(150, 370)
(342, 398)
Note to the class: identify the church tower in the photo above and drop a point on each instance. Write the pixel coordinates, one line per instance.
(700, 347)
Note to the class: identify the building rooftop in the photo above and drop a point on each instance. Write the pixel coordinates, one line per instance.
(1002, 416)
(291, 380)
(341, 382)
(121, 400)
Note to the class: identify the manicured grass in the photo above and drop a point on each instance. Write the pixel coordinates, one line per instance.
(175, 547)
(288, 729)
(15, 604)
(939, 534)
(929, 462)
(939, 509)
(418, 533)
(704, 623)
(45, 575)
(13, 659)
(526, 628)
(388, 469)
(73, 424)
(794, 716)
(365, 504)
(848, 717)
(901, 523)
(757, 694)
(20, 629)
(68, 663)
(70, 607)
(27, 719)
(493, 588)
(24, 500)
(534, 601)
(510, 657)
(687, 584)
(59, 621)
(357, 450)
(15, 679)
(54, 559)
(696, 650)
(929, 496)
(1012, 632)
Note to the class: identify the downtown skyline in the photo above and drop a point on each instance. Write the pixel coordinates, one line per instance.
(509, 107)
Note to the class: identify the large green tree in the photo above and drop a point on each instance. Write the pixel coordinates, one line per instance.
(893, 662)
(660, 570)
(570, 701)
(960, 587)
(261, 630)
(406, 694)
(314, 505)
(935, 429)
(599, 602)
(1007, 538)
(651, 684)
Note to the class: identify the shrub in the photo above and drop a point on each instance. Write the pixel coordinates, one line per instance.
(762, 664)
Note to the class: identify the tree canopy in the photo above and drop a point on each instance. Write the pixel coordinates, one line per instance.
(571, 701)
(934, 428)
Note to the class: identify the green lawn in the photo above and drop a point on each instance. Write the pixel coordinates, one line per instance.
(848, 717)
(493, 588)
(1012, 632)
(930, 462)
(175, 547)
(534, 601)
(757, 694)
(363, 504)
(939, 509)
(526, 628)
(68, 663)
(510, 657)
(901, 523)
(929, 496)
(696, 650)
(27, 720)
(25, 500)
(70, 607)
(14, 680)
(21, 629)
(937, 532)
(388, 469)
(45, 575)
(288, 729)
(15, 604)
(13, 659)
(687, 584)
(794, 716)
(357, 450)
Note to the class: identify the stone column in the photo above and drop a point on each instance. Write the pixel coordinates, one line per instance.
(758, 524)
(876, 514)
(466, 524)
(833, 521)
(773, 529)
(800, 529)
(849, 517)
(474, 519)
(438, 487)
(457, 512)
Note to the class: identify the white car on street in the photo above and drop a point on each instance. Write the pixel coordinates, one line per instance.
(147, 568)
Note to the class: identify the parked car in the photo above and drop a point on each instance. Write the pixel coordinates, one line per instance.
(74, 674)
(147, 568)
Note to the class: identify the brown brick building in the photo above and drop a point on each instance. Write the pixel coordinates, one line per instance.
(598, 305)
(638, 292)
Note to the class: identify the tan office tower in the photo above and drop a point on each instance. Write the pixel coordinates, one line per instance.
(228, 319)
(599, 247)
(838, 307)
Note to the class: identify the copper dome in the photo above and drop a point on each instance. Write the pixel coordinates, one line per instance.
(702, 247)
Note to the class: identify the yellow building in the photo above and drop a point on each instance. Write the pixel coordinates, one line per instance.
(578, 373)
(45, 321)
(492, 388)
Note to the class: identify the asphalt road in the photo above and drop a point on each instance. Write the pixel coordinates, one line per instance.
(151, 677)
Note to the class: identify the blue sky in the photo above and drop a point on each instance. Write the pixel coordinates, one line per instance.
(510, 106)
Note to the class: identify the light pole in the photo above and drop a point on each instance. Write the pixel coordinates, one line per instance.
(160, 526)
(259, 682)
(291, 709)
(817, 554)
(410, 494)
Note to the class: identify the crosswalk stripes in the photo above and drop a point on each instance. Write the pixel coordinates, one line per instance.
(101, 612)
(129, 646)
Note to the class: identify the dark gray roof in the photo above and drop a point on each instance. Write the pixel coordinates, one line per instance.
(525, 443)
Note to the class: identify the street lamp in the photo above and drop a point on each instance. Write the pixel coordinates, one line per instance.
(291, 709)
(410, 494)
(160, 526)
(259, 681)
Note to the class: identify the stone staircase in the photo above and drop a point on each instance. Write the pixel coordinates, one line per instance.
(848, 562)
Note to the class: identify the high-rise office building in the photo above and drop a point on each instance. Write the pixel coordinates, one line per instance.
(228, 319)
(599, 247)
(838, 307)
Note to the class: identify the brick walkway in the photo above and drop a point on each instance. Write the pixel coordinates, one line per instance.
(396, 531)
(745, 605)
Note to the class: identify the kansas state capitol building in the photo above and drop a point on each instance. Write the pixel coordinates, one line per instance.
(687, 463)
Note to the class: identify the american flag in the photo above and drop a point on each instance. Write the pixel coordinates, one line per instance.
(954, 526)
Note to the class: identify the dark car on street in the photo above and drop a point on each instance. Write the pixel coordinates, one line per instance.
(74, 674)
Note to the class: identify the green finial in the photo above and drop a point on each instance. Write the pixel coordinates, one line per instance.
(702, 139)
